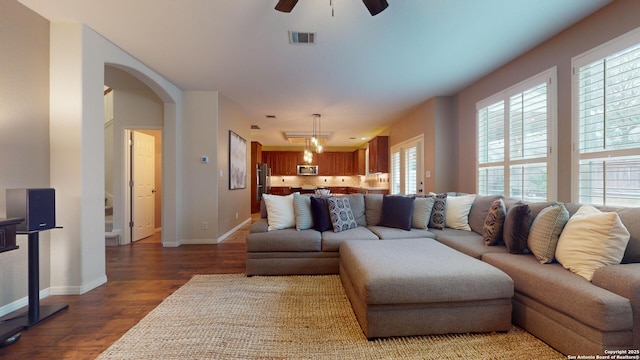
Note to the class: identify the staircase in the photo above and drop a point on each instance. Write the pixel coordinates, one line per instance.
(111, 236)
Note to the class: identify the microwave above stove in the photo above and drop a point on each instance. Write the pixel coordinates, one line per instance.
(307, 169)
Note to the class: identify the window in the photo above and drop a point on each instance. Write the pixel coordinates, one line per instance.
(606, 115)
(406, 167)
(516, 136)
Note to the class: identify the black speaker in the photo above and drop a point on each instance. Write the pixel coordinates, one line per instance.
(36, 206)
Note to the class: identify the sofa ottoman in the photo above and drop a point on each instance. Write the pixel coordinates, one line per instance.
(420, 287)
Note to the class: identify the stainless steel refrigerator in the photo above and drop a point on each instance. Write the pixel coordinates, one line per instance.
(263, 173)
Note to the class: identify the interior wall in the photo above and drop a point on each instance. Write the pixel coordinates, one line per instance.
(619, 17)
(24, 134)
(78, 56)
(199, 194)
(236, 207)
(435, 118)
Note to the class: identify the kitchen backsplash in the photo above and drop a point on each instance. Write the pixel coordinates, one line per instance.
(370, 181)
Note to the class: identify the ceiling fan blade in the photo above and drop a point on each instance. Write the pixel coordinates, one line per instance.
(375, 7)
(286, 5)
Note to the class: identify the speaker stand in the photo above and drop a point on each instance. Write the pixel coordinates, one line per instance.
(36, 312)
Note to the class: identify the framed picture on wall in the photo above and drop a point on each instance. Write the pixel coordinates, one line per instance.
(237, 161)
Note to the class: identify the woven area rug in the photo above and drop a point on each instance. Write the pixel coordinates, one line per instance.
(291, 317)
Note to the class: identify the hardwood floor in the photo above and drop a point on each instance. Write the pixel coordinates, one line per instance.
(139, 277)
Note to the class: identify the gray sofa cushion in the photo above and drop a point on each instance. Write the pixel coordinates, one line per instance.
(467, 242)
(568, 293)
(479, 211)
(387, 233)
(331, 240)
(284, 240)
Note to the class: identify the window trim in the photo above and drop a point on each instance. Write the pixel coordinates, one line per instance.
(603, 50)
(551, 76)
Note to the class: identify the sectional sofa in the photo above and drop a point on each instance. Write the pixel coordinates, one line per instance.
(578, 294)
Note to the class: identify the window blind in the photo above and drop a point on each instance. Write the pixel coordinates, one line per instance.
(608, 103)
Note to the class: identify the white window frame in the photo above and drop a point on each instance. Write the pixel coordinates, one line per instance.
(627, 40)
(549, 76)
(417, 142)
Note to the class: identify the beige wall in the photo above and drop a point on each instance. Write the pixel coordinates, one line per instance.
(435, 118)
(24, 134)
(199, 193)
(615, 19)
(232, 202)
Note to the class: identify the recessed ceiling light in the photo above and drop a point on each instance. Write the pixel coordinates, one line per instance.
(363, 138)
(270, 116)
(352, 138)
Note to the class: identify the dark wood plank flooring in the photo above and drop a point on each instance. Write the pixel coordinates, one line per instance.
(139, 277)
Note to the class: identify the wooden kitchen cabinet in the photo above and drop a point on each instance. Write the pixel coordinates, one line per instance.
(282, 162)
(379, 154)
(360, 162)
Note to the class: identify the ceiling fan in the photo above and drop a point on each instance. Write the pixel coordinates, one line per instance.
(374, 6)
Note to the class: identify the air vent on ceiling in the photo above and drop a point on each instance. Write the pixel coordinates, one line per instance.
(255, 127)
(296, 37)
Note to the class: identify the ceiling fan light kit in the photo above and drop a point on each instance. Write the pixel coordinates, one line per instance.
(375, 7)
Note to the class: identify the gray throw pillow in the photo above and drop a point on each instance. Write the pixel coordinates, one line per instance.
(341, 215)
(302, 208)
(545, 232)
(422, 212)
(437, 220)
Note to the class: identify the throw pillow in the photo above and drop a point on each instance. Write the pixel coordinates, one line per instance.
(516, 228)
(457, 214)
(397, 211)
(422, 212)
(373, 207)
(356, 201)
(280, 213)
(591, 239)
(437, 220)
(493, 224)
(341, 215)
(545, 231)
(302, 208)
(320, 214)
(479, 211)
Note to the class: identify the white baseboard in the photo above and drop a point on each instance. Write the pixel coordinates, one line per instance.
(20, 303)
(230, 232)
(78, 290)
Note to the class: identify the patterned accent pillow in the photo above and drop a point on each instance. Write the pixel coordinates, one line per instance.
(494, 222)
(341, 215)
(545, 232)
(437, 220)
(516, 228)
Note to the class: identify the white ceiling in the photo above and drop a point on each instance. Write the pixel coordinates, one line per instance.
(362, 72)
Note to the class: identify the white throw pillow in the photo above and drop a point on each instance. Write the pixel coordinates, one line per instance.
(280, 211)
(457, 214)
(591, 239)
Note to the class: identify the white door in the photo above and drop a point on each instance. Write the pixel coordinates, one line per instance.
(143, 189)
(406, 167)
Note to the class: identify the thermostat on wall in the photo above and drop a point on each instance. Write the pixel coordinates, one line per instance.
(204, 159)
